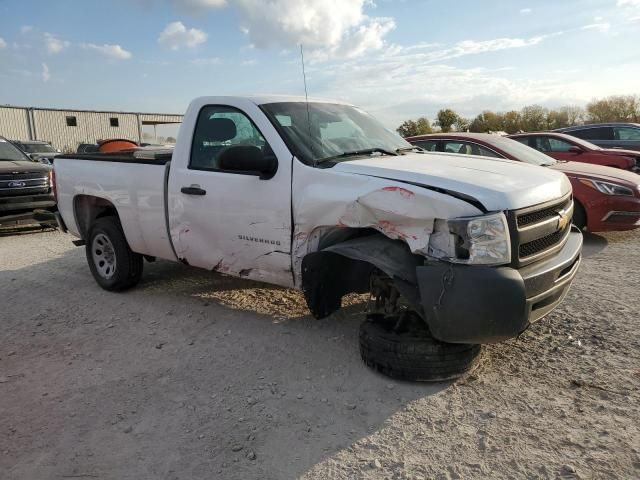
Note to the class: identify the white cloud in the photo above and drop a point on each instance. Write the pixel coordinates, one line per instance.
(600, 27)
(326, 28)
(206, 61)
(176, 35)
(112, 51)
(45, 73)
(525, 11)
(54, 44)
(199, 5)
(404, 82)
(26, 29)
(628, 3)
(461, 49)
(3, 44)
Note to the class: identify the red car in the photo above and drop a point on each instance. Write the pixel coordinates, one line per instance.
(605, 198)
(566, 147)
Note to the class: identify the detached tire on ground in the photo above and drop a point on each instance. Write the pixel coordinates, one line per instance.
(113, 264)
(414, 355)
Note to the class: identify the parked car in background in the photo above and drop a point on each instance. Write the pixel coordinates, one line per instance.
(607, 135)
(39, 151)
(88, 148)
(565, 147)
(25, 185)
(605, 198)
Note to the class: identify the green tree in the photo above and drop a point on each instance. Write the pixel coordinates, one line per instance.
(557, 119)
(462, 124)
(616, 108)
(410, 128)
(423, 125)
(575, 114)
(534, 118)
(511, 121)
(445, 119)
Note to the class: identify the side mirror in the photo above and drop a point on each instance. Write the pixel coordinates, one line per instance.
(249, 160)
(575, 149)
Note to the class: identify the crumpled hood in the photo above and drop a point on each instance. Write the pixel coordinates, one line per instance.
(22, 166)
(497, 184)
(597, 171)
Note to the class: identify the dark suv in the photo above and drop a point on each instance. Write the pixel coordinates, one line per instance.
(607, 135)
(25, 185)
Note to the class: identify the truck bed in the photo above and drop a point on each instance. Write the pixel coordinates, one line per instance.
(133, 182)
(145, 156)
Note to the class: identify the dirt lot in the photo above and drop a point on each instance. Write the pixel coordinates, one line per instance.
(193, 376)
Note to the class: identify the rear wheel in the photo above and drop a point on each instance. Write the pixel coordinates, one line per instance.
(113, 265)
(404, 349)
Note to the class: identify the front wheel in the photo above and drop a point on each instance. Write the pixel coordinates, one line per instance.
(113, 264)
(410, 352)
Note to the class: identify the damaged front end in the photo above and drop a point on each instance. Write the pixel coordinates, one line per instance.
(467, 282)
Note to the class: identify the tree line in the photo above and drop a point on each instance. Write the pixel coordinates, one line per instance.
(615, 108)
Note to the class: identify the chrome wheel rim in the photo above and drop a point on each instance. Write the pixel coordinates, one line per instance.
(104, 256)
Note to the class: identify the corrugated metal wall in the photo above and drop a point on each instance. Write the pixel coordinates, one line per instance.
(14, 123)
(51, 125)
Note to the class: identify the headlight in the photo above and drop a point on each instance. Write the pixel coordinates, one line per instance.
(481, 240)
(607, 188)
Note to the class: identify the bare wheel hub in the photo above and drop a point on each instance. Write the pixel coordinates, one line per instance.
(104, 256)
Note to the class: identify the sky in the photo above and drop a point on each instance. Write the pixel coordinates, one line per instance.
(398, 59)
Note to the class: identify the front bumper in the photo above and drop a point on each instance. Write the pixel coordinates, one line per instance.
(614, 213)
(473, 304)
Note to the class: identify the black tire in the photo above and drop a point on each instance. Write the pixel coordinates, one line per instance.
(128, 264)
(579, 215)
(414, 356)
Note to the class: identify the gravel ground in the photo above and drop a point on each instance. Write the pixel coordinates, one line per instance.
(193, 376)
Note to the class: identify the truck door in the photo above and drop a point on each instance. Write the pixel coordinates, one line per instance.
(231, 221)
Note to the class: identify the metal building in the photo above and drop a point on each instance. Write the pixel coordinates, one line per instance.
(66, 129)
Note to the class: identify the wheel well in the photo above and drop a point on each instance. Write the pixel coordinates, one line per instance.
(580, 218)
(87, 209)
(346, 265)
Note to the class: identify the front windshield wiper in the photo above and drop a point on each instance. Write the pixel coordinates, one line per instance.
(353, 153)
(407, 149)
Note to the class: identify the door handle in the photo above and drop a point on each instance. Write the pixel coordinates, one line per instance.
(193, 190)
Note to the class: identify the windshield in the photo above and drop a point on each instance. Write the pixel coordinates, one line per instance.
(522, 152)
(37, 148)
(319, 131)
(10, 153)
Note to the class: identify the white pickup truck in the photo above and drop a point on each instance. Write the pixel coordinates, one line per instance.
(319, 196)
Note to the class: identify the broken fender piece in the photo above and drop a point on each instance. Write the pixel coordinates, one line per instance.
(390, 256)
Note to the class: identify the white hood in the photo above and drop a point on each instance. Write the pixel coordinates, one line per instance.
(497, 184)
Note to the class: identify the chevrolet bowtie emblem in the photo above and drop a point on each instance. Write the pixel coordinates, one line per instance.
(563, 220)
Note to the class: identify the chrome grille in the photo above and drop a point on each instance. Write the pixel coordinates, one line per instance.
(23, 184)
(525, 219)
(539, 231)
(531, 248)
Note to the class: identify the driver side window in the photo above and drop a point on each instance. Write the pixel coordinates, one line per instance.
(220, 127)
(548, 144)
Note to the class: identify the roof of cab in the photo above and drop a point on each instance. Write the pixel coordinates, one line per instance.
(266, 99)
